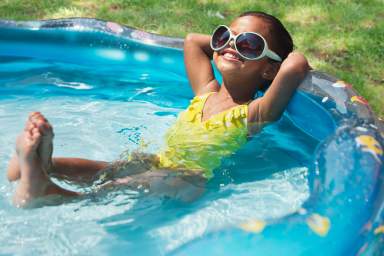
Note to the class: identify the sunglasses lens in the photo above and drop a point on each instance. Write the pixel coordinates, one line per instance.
(220, 37)
(250, 45)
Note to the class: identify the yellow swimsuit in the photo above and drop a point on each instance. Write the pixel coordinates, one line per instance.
(198, 145)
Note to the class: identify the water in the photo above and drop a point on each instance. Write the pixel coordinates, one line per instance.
(98, 113)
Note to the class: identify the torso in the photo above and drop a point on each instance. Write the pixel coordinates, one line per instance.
(204, 133)
(213, 106)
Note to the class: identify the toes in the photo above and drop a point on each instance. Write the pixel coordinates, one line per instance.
(31, 121)
(33, 115)
(45, 128)
(36, 117)
(48, 130)
(28, 126)
(39, 121)
(35, 135)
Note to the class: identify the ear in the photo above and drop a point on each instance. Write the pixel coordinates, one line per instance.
(270, 70)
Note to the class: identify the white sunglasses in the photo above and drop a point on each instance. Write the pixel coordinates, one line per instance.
(249, 45)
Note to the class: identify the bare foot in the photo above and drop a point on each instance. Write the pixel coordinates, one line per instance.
(33, 180)
(13, 172)
(44, 150)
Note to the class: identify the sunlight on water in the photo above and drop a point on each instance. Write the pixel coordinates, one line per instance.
(99, 117)
(284, 191)
(111, 54)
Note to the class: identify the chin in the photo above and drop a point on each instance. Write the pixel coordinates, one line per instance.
(225, 66)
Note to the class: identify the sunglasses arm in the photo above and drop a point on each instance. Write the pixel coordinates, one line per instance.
(272, 55)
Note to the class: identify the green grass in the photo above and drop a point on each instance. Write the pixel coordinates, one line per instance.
(343, 38)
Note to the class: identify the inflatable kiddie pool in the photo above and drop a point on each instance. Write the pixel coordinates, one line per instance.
(344, 213)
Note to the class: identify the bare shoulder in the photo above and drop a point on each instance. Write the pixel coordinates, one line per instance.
(211, 86)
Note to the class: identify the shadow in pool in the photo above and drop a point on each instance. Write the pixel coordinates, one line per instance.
(266, 179)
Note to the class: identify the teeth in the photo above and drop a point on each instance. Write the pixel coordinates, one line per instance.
(230, 55)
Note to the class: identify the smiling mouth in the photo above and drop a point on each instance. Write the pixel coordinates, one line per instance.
(231, 56)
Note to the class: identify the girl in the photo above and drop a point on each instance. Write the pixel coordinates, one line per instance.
(252, 54)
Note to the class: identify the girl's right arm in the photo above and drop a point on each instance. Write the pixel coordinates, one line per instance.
(197, 59)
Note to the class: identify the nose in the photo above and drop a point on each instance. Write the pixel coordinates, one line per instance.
(232, 43)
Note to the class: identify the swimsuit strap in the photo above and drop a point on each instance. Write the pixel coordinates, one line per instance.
(204, 98)
(195, 110)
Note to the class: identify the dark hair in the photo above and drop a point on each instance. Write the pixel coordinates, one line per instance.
(282, 42)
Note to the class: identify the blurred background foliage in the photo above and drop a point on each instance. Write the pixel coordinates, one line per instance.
(343, 38)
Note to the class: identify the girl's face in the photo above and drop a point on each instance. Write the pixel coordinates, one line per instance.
(229, 62)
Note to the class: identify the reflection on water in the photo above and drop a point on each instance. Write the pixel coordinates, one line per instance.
(117, 110)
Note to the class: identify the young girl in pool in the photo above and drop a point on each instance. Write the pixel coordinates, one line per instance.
(252, 54)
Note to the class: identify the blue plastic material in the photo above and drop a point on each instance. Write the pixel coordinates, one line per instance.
(344, 214)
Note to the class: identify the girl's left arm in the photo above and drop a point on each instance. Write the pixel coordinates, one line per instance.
(271, 106)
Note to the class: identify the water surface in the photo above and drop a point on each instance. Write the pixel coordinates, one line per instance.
(98, 112)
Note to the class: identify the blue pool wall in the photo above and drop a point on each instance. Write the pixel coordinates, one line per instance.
(344, 214)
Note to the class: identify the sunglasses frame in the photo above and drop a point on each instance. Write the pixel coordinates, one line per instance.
(266, 51)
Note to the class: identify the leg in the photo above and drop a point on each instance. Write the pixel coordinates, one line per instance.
(185, 186)
(77, 169)
(72, 169)
(181, 185)
(86, 171)
(34, 181)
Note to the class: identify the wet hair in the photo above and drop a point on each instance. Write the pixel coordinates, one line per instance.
(281, 42)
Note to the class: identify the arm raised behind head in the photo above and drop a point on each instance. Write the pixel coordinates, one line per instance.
(197, 59)
(271, 106)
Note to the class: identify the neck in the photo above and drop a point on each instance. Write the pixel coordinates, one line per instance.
(239, 90)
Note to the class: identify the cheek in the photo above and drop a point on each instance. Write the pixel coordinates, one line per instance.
(215, 58)
(255, 66)
(220, 65)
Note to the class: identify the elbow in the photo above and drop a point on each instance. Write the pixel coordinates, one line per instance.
(190, 39)
(296, 64)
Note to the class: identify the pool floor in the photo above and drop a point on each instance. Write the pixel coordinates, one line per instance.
(99, 113)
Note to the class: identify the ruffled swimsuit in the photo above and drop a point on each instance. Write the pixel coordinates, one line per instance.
(196, 145)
